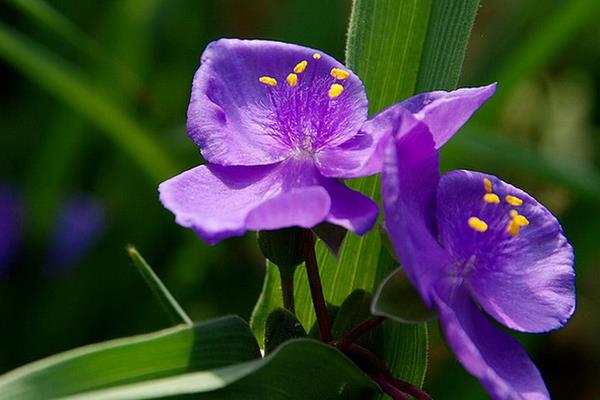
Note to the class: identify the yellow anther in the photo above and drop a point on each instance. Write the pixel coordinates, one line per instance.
(300, 67)
(491, 198)
(513, 228)
(513, 201)
(488, 185)
(267, 80)
(339, 73)
(316, 56)
(520, 220)
(335, 90)
(477, 224)
(292, 79)
(516, 223)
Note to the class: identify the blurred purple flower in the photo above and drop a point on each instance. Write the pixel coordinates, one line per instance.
(79, 224)
(279, 124)
(469, 241)
(11, 227)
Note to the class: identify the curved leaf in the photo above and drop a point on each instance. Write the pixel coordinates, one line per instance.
(213, 344)
(299, 369)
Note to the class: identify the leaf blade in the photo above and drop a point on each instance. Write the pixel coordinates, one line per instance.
(162, 295)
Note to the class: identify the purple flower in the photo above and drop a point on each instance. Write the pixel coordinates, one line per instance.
(471, 243)
(11, 227)
(79, 224)
(278, 124)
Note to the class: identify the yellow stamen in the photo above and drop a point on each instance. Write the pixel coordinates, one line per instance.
(488, 185)
(300, 67)
(517, 222)
(513, 201)
(513, 228)
(292, 79)
(491, 198)
(267, 80)
(339, 73)
(316, 56)
(335, 90)
(521, 220)
(477, 224)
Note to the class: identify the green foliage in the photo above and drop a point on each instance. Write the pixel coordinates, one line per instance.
(280, 327)
(398, 299)
(300, 369)
(210, 345)
(159, 290)
(69, 85)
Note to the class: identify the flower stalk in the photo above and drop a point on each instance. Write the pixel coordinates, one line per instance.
(316, 289)
(287, 287)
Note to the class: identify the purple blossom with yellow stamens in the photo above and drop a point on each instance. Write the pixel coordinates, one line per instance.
(279, 125)
(474, 245)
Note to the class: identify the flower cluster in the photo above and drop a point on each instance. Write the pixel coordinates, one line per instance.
(280, 124)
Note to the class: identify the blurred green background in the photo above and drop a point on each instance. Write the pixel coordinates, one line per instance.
(93, 100)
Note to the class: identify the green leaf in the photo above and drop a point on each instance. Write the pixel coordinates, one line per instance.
(270, 298)
(280, 327)
(448, 31)
(210, 345)
(162, 295)
(63, 81)
(299, 369)
(398, 299)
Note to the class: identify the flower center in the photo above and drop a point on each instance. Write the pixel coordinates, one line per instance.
(306, 111)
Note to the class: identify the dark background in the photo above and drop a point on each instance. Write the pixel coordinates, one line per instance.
(540, 133)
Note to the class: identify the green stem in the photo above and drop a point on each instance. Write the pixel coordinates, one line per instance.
(287, 287)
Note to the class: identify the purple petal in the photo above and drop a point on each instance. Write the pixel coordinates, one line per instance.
(525, 281)
(11, 227)
(409, 182)
(237, 120)
(446, 112)
(495, 358)
(219, 202)
(80, 223)
(363, 154)
(349, 208)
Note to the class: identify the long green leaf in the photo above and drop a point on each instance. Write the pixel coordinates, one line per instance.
(64, 82)
(162, 295)
(446, 43)
(210, 345)
(300, 369)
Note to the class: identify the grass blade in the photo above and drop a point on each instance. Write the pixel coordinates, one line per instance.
(162, 295)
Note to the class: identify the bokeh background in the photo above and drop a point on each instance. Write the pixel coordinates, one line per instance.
(93, 97)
